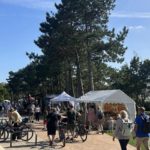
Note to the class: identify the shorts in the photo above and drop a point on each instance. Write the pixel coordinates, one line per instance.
(51, 129)
(142, 140)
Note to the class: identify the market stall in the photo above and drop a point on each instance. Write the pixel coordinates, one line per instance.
(111, 101)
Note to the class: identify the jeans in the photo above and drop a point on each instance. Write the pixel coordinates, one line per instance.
(123, 143)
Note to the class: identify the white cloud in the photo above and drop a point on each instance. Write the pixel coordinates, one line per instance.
(36, 4)
(139, 27)
(140, 15)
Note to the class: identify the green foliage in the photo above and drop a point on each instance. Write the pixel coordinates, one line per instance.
(76, 46)
(4, 93)
(133, 79)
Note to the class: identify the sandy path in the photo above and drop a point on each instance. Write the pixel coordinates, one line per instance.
(94, 142)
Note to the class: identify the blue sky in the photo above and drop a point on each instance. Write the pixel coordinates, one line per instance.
(20, 21)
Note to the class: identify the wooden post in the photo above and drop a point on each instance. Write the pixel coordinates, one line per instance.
(35, 139)
(27, 135)
(10, 139)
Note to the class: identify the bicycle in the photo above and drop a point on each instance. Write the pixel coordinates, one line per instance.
(80, 130)
(24, 131)
(3, 134)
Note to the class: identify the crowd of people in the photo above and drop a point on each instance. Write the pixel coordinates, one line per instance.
(93, 117)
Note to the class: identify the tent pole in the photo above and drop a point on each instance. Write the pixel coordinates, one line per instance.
(85, 115)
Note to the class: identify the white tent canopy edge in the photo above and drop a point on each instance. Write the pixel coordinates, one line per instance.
(110, 96)
(64, 97)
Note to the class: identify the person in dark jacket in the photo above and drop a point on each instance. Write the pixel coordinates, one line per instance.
(52, 122)
(141, 136)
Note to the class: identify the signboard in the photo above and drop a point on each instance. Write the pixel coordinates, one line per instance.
(113, 107)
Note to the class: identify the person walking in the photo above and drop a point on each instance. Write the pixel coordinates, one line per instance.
(123, 139)
(141, 136)
(100, 120)
(37, 113)
(31, 108)
(71, 119)
(52, 122)
(91, 115)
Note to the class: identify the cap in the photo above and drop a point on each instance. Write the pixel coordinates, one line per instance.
(141, 108)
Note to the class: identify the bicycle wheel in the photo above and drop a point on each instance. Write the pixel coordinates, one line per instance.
(3, 134)
(83, 134)
(26, 133)
(62, 137)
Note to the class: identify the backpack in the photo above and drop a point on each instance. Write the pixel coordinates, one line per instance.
(146, 124)
(100, 115)
(71, 116)
(126, 128)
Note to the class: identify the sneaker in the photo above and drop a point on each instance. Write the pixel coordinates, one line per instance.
(53, 143)
(50, 143)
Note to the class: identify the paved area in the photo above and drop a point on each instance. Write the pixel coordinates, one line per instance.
(94, 142)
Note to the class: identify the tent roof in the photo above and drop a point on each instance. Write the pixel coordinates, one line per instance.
(6, 100)
(106, 96)
(63, 97)
(50, 96)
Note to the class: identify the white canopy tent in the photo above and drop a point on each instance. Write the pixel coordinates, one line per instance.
(110, 96)
(64, 97)
(8, 101)
(147, 99)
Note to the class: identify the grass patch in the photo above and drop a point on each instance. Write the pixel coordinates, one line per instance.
(132, 142)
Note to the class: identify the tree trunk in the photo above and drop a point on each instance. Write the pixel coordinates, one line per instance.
(80, 90)
(70, 83)
(90, 73)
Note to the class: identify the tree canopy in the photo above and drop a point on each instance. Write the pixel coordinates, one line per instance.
(77, 45)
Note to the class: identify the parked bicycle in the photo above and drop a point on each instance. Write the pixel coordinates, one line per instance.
(80, 130)
(24, 131)
(3, 133)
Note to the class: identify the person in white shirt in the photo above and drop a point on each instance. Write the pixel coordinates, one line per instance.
(14, 116)
(15, 119)
(37, 113)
